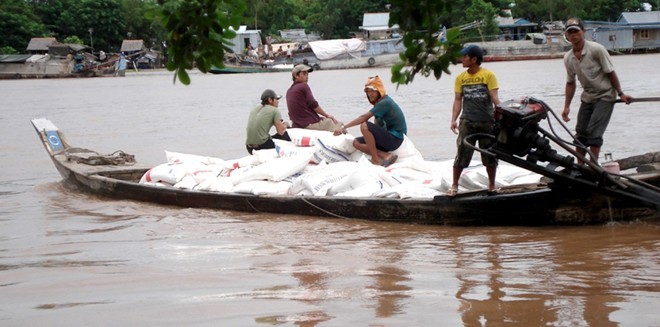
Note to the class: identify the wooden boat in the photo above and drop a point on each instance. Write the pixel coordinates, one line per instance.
(355, 53)
(249, 68)
(532, 204)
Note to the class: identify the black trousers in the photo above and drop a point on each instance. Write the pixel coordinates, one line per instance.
(268, 144)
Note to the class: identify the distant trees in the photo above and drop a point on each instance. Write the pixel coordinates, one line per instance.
(105, 22)
(112, 21)
(330, 18)
(485, 13)
(421, 21)
(18, 23)
(194, 30)
(604, 10)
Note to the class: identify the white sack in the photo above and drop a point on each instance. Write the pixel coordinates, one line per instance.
(176, 157)
(260, 187)
(274, 170)
(218, 184)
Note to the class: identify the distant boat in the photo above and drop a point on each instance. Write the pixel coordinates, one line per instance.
(538, 46)
(355, 53)
(245, 68)
(323, 55)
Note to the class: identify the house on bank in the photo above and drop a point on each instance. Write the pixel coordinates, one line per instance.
(632, 32)
(514, 29)
(39, 45)
(45, 58)
(139, 56)
(375, 26)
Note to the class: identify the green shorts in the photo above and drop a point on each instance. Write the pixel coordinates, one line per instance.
(464, 153)
(325, 124)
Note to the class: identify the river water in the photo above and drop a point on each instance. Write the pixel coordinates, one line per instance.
(68, 258)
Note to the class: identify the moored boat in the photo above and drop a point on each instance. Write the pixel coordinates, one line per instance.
(325, 54)
(245, 68)
(523, 50)
(355, 53)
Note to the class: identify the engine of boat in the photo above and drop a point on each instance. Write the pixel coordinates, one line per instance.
(518, 124)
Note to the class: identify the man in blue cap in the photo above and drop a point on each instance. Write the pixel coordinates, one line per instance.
(476, 95)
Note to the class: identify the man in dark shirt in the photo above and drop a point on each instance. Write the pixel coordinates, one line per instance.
(304, 110)
(475, 97)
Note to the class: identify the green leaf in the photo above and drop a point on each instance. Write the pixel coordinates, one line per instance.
(183, 76)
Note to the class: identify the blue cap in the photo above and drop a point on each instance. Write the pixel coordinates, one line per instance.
(473, 51)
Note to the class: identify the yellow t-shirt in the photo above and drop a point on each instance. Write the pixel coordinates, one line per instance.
(477, 104)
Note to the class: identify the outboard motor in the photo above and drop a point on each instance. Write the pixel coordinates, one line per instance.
(522, 142)
(518, 123)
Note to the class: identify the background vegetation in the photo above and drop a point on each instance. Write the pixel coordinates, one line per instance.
(112, 21)
(194, 32)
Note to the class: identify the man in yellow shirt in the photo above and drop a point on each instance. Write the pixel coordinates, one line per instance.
(476, 95)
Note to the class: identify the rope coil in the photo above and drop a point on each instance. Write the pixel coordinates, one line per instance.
(117, 158)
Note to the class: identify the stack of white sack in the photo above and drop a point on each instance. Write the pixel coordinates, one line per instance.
(317, 163)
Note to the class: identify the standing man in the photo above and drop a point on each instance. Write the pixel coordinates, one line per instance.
(386, 134)
(593, 67)
(304, 110)
(289, 53)
(261, 119)
(476, 95)
(269, 49)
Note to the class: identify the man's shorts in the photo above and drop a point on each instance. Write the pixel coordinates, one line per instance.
(385, 141)
(325, 124)
(464, 153)
(592, 120)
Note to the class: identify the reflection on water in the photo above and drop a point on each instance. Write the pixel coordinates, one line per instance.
(565, 278)
(78, 258)
(389, 290)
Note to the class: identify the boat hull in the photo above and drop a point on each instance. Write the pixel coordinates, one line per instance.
(530, 205)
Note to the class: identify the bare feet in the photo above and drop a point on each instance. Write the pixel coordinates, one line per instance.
(389, 161)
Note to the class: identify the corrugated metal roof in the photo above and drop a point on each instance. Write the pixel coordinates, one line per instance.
(522, 21)
(508, 22)
(640, 17)
(132, 45)
(63, 49)
(14, 58)
(242, 30)
(40, 43)
(591, 24)
(293, 34)
(381, 19)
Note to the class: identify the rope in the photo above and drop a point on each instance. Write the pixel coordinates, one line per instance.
(252, 206)
(323, 210)
(306, 201)
(116, 158)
